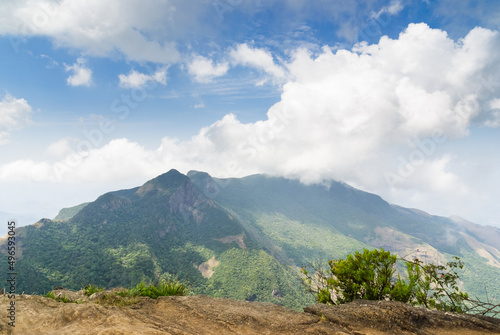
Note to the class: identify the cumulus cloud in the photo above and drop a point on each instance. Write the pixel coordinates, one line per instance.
(257, 58)
(99, 28)
(376, 116)
(343, 111)
(81, 74)
(61, 148)
(35, 171)
(116, 160)
(136, 79)
(494, 119)
(204, 70)
(14, 114)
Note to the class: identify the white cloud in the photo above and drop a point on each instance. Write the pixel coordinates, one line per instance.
(52, 62)
(98, 28)
(353, 115)
(81, 74)
(106, 163)
(14, 114)
(4, 137)
(61, 148)
(260, 59)
(394, 7)
(137, 79)
(495, 104)
(204, 70)
(26, 168)
(494, 119)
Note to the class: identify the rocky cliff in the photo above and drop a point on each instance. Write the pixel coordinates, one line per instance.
(205, 315)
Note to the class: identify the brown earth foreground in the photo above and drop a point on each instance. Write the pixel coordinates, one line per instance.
(205, 315)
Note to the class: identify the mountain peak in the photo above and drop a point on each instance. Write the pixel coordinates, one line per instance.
(195, 172)
(164, 182)
(172, 173)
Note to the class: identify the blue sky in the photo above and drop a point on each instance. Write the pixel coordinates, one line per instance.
(400, 98)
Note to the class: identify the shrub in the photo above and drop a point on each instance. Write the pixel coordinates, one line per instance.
(161, 288)
(90, 289)
(52, 295)
(370, 275)
(436, 286)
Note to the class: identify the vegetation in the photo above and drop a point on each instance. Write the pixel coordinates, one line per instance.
(160, 289)
(62, 298)
(305, 241)
(90, 289)
(433, 286)
(261, 275)
(67, 213)
(129, 296)
(364, 275)
(123, 239)
(370, 275)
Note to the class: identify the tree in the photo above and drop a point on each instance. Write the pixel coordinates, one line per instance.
(370, 275)
(436, 286)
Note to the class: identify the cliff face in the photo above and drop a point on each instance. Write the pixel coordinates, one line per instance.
(205, 315)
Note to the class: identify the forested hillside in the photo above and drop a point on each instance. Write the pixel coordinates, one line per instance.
(238, 238)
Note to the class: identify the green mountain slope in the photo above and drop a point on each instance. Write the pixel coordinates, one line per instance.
(67, 213)
(165, 227)
(239, 238)
(330, 221)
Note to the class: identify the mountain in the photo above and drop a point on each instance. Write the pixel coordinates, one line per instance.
(312, 222)
(67, 213)
(241, 238)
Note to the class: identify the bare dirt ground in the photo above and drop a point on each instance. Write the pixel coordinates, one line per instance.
(205, 315)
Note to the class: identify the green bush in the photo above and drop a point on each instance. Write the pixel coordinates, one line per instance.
(52, 295)
(162, 288)
(90, 289)
(436, 286)
(370, 275)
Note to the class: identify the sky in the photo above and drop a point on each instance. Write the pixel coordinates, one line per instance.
(399, 98)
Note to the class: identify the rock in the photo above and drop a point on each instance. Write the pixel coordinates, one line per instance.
(391, 317)
(97, 296)
(205, 315)
(70, 295)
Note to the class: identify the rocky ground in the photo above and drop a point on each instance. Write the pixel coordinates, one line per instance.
(100, 315)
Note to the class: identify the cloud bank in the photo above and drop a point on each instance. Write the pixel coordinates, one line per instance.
(346, 108)
(99, 28)
(155, 31)
(376, 116)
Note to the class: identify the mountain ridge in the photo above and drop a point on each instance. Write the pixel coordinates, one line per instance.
(241, 238)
